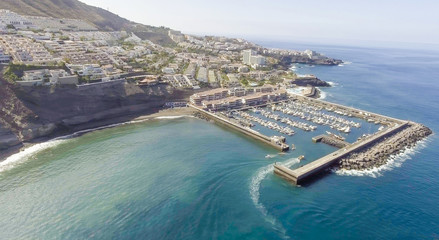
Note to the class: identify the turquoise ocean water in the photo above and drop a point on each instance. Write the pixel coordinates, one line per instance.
(186, 178)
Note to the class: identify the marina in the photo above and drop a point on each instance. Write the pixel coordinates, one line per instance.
(347, 129)
(274, 141)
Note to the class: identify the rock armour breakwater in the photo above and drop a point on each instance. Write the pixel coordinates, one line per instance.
(379, 154)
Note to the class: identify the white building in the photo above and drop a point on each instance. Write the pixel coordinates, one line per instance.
(10, 18)
(246, 56)
(35, 75)
(4, 58)
(93, 71)
(55, 76)
(257, 60)
(60, 76)
(202, 75)
(250, 57)
(31, 83)
(168, 70)
(312, 54)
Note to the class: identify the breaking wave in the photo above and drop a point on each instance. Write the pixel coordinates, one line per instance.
(255, 186)
(394, 161)
(29, 152)
(171, 117)
(323, 94)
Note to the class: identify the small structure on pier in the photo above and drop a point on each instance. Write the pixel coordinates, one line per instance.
(330, 140)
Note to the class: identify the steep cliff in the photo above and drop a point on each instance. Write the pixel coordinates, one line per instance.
(27, 113)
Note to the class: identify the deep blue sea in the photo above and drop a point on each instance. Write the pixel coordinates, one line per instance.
(186, 178)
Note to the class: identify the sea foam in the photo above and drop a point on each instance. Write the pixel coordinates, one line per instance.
(394, 161)
(172, 117)
(323, 94)
(332, 84)
(28, 152)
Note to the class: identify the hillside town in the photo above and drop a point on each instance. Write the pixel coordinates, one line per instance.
(43, 51)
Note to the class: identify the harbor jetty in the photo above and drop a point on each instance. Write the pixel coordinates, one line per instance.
(297, 176)
(277, 142)
(378, 154)
(367, 153)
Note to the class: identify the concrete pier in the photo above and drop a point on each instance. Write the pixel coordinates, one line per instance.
(303, 173)
(247, 131)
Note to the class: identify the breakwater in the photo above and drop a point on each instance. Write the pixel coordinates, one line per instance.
(366, 153)
(303, 173)
(272, 141)
(378, 154)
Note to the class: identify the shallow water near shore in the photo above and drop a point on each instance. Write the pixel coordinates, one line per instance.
(185, 178)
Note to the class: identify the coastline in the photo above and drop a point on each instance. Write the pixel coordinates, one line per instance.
(79, 130)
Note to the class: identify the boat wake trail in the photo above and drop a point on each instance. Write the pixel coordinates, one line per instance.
(393, 162)
(255, 186)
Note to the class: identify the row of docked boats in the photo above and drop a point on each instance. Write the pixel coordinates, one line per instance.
(296, 124)
(268, 124)
(316, 116)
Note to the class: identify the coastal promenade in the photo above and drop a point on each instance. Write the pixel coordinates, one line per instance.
(247, 131)
(297, 176)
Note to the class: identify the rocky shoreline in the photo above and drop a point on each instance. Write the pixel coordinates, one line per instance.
(378, 154)
(310, 80)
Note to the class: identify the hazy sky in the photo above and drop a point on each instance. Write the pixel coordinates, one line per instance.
(334, 20)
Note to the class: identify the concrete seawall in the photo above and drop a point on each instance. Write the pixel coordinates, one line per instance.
(297, 176)
(249, 132)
